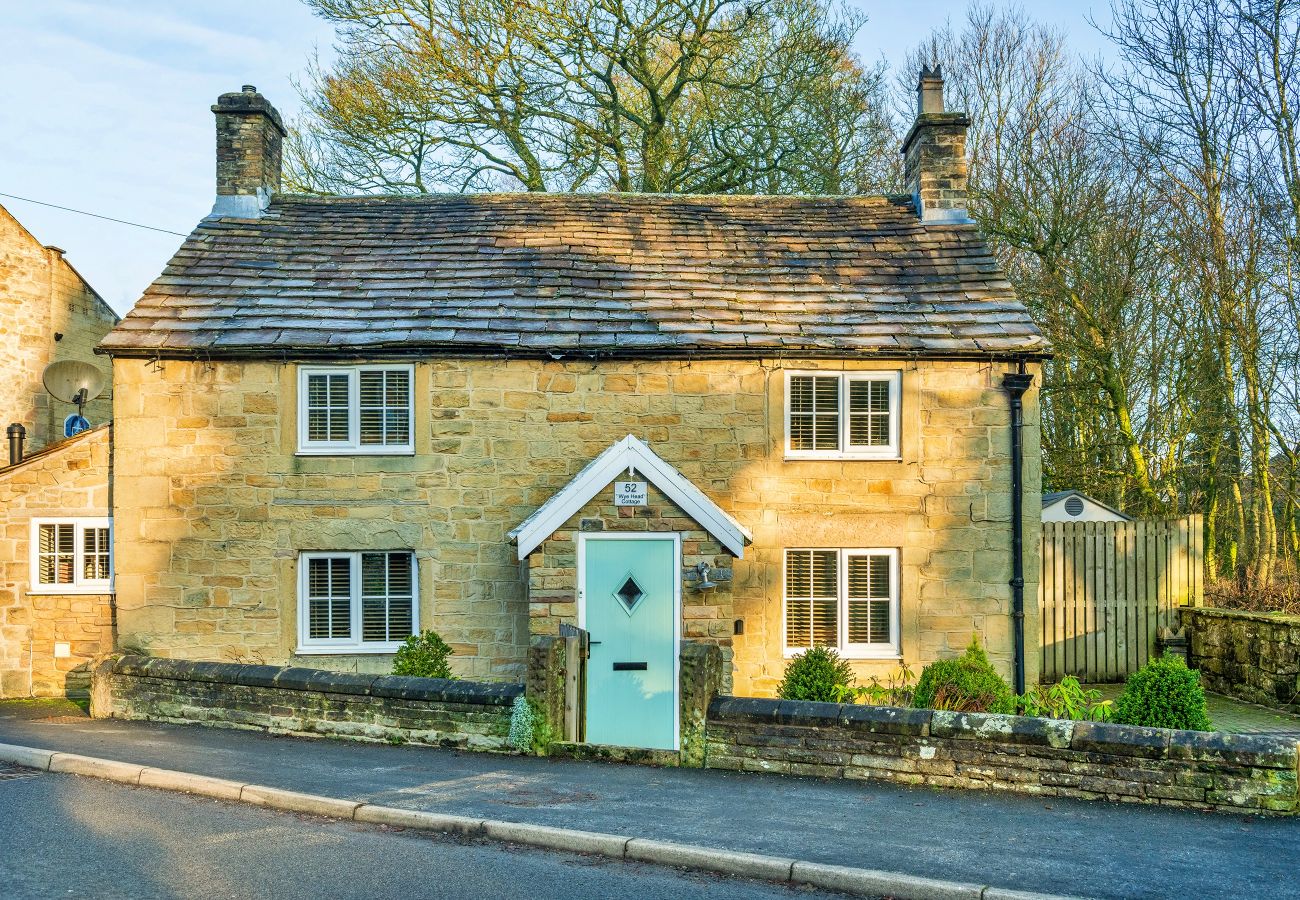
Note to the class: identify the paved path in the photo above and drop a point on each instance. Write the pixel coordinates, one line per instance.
(65, 836)
(1052, 845)
(1236, 716)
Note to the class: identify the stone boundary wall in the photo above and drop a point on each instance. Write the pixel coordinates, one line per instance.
(1047, 757)
(1251, 656)
(309, 702)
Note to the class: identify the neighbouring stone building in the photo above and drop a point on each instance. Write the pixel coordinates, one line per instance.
(55, 535)
(48, 313)
(54, 527)
(761, 422)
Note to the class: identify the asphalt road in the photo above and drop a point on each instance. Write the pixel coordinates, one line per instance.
(66, 836)
(1054, 845)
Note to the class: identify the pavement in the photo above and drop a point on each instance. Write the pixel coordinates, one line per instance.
(64, 836)
(1050, 845)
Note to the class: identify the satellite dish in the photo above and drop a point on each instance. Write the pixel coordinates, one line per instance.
(73, 381)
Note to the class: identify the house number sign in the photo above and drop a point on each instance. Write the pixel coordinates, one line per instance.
(629, 493)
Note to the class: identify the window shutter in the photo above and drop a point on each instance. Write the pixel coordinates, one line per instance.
(327, 408)
(95, 554)
(57, 552)
(814, 412)
(869, 599)
(387, 594)
(812, 591)
(385, 407)
(329, 589)
(869, 413)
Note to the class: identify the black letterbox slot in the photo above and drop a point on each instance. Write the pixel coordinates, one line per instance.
(629, 667)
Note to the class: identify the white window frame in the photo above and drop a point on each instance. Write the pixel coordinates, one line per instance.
(353, 446)
(891, 451)
(308, 646)
(79, 585)
(892, 650)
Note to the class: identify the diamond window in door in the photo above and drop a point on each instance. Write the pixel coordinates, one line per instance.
(629, 594)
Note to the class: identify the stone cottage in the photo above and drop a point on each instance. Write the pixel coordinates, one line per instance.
(766, 423)
(55, 578)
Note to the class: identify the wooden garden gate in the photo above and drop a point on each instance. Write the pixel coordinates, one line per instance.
(1107, 588)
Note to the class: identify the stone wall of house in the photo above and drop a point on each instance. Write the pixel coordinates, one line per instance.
(1046, 757)
(433, 711)
(1250, 656)
(213, 505)
(65, 480)
(708, 615)
(48, 313)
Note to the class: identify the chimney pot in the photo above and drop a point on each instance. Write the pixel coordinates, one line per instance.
(934, 154)
(250, 134)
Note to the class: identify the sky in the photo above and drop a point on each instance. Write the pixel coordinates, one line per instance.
(109, 108)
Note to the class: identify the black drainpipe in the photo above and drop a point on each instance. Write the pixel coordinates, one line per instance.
(1015, 384)
(15, 433)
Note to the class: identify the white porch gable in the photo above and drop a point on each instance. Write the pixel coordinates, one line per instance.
(604, 469)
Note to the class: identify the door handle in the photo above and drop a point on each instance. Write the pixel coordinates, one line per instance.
(629, 667)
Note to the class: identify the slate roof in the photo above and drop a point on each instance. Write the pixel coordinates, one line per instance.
(586, 274)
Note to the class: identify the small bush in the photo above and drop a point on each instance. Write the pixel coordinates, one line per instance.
(817, 674)
(968, 683)
(897, 689)
(1066, 700)
(521, 724)
(529, 730)
(423, 655)
(1164, 694)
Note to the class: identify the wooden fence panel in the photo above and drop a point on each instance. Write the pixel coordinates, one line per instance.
(1106, 590)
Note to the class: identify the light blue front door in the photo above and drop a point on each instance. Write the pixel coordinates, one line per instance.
(629, 597)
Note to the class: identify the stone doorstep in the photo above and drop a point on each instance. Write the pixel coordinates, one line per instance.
(846, 879)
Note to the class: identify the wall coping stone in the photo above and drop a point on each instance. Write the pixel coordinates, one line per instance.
(1121, 740)
(808, 712)
(1214, 612)
(1260, 750)
(302, 679)
(886, 719)
(1002, 728)
(258, 676)
(744, 709)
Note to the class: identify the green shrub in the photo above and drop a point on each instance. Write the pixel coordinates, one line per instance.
(897, 689)
(1066, 700)
(1164, 694)
(423, 655)
(816, 674)
(529, 730)
(968, 683)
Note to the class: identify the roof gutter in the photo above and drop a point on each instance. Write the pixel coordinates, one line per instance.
(470, 351)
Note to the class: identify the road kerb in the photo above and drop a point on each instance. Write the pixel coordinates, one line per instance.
(729, 862)
(551, 838)
(202, 785)
(873, 883)
(294, 801)
(865, 882)
(419, 819)
(26, 756)
(76, 764)
(993, 893)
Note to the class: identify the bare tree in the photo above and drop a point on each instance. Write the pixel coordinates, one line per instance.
(674, 96)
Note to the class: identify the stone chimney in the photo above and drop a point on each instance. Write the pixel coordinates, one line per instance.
(249, 135)
(934, 154)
